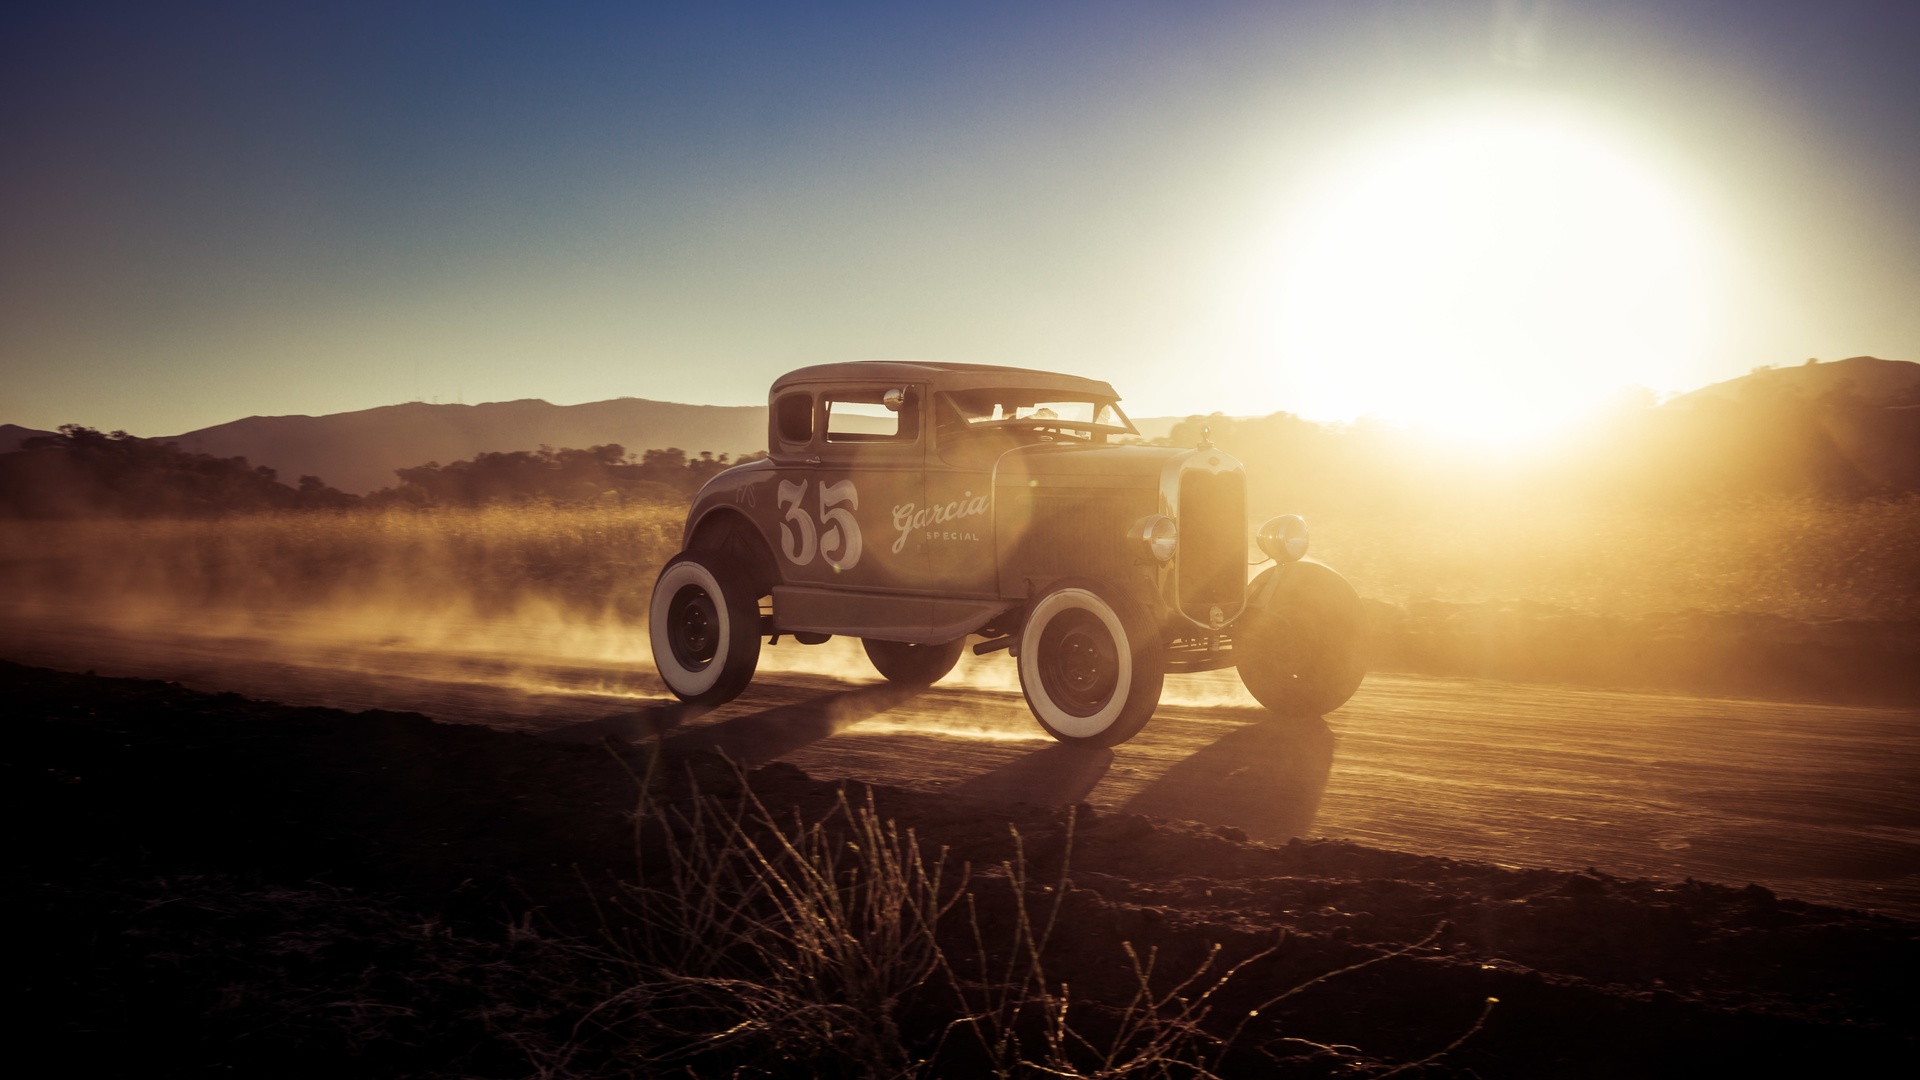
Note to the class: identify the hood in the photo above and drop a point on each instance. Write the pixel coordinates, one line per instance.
(1067, 465)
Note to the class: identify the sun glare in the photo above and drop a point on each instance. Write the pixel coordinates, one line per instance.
(1489, 274)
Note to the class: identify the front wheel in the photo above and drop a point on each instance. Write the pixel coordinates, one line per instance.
(1091, 665)
(704, 624)
(914, 665)
(1300, 647)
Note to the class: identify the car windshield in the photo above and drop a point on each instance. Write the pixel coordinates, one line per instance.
(982, 409)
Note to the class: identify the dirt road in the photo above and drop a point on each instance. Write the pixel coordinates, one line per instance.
(1817, 802)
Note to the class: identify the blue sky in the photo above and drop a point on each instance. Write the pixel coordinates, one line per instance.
(215, 210)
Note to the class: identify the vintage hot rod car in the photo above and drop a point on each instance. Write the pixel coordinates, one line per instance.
(914, 505)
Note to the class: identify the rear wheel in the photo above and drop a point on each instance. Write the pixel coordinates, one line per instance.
(914, 665)
(1300, 647)
(1091, 665)
(704, 624)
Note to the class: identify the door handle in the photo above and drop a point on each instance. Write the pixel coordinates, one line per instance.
(813, 461)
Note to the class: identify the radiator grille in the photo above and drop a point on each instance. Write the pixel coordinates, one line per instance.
(1213, 546)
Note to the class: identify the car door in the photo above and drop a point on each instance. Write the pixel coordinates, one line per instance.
(836, 503)
(955, 523)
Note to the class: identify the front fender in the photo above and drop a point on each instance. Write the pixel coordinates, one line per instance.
(1301, 647)
(742, 489)
(1304, 582)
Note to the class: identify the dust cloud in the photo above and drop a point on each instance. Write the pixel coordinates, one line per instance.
(547, 602)
(537, 602)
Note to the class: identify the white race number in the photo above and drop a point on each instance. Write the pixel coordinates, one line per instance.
(837, 539)
(840, 540)
(796, 529)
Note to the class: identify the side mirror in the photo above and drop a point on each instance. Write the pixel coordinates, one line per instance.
(893, 400)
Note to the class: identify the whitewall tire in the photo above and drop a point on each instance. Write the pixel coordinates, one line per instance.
(704, 625)
(1091, 664)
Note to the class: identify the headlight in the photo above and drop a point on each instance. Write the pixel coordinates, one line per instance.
(1284, 538)
(1156, 536)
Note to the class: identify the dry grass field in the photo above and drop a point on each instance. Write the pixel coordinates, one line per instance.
(1792, 557)
(1759, 596)
(1795, 558)
(583, 563)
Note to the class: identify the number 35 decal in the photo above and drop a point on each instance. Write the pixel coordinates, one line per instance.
(837, 539)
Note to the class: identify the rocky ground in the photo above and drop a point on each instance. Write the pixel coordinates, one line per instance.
(206, 883)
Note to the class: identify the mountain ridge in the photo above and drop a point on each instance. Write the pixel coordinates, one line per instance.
(358, 451)
(12, 435)
(1870, 379)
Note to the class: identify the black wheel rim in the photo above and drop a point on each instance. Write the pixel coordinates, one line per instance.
(1079, 662)
(693, 628)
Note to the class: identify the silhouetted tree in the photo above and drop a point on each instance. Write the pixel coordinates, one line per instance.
(595, 474)
(83, 473)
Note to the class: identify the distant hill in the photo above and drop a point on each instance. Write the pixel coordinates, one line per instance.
(1869, 379)
(1849, 426)
(359, 451)
(12, 435)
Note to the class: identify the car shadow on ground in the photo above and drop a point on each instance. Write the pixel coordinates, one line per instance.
(628, 725)
(1267, 778)
(1056, 776)
(752, 739)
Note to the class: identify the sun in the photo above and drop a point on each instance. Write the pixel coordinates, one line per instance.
(1489, 273)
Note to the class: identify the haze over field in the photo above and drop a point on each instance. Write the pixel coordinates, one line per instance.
(1477, 217)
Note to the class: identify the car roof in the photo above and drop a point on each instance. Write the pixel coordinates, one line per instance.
(943, 377)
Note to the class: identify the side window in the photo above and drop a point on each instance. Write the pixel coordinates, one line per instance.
(793, 418)
(857, 416)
